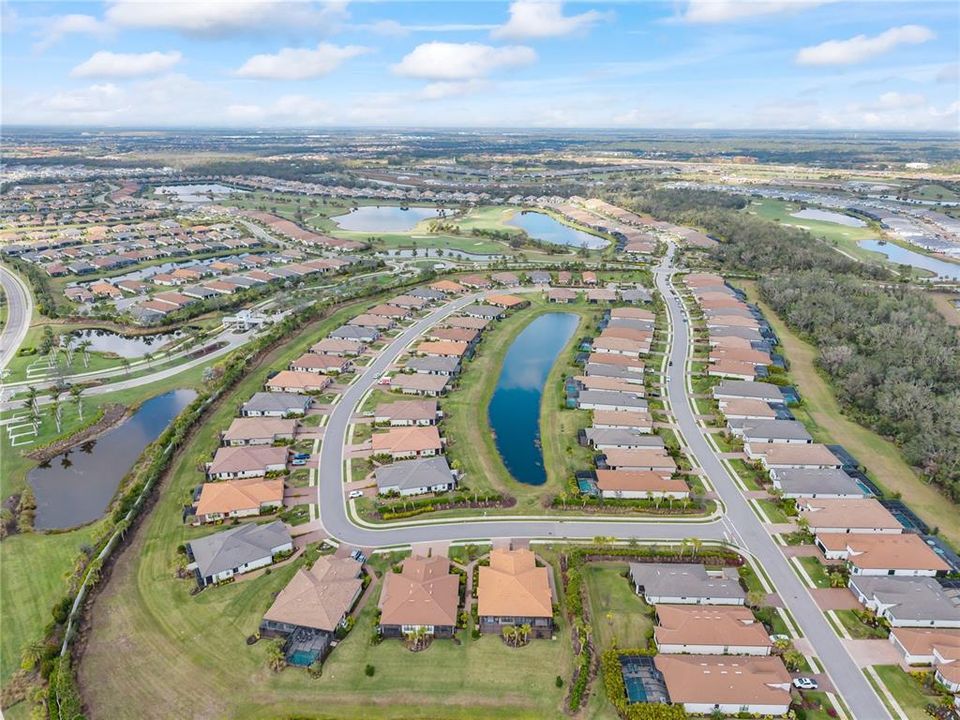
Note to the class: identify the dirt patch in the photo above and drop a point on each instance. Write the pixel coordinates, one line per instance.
(113, 415)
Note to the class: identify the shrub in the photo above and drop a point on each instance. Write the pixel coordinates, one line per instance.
(369, 670)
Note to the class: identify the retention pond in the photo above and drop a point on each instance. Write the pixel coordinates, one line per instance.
(515, 406)
(76, 487)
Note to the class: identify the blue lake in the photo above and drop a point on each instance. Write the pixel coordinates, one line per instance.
(514, 411)
(385, 218)
(543, 227)
(903, 256)
(76, 487)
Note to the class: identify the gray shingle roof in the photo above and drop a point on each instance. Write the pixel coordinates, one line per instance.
(919, 599)
(829, 481)
(775, 430)
(683, 580)
(407, 474)
(276, 402)
(238, 545)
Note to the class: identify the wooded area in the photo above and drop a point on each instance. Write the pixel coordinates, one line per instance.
(893, 361)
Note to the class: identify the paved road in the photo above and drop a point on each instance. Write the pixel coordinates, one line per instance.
(752, 536)
(19, 310)
(333, 513)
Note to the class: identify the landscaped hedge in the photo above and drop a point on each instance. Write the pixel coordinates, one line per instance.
(410, 508)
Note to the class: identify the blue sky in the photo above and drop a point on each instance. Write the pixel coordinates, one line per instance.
(751, 64)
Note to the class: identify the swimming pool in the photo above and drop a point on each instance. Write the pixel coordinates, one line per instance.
(303, 658)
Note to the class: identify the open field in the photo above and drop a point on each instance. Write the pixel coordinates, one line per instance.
(619, 616)
(822, 415)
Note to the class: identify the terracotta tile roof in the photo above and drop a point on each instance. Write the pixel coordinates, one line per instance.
(254, 428)
(873, 551)
(227, 496)
(298, 380)
(922, 641)
(847, 513)
(720, 679)
(320, 597)
(639, 481)
(719, 625)
(407, 439)
(513, 585)
(424, 593)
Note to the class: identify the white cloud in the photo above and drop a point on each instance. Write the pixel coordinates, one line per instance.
(392, 28)
(861, 48)
(544, 18)
(299, 63)
(57, 28)
(949, 74)
(443, 89)
(126, 65)
(226, 17)
(720, 11)
(298, 110)
(461, 61)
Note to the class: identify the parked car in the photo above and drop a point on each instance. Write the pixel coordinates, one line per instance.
(356, 494)
(302, 456)
(358, 555)
(805, 683)
(298, 461)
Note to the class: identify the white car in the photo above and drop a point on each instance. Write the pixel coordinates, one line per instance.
(354, 494)
(805, 683)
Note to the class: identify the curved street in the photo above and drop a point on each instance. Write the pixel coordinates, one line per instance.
(19, 310)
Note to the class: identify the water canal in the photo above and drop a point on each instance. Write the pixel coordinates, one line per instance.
(903, 256)
(514, 411)
(542, 227)
(127, 346)
(76, 487)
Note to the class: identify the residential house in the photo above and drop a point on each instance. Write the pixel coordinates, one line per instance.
(401, 443)
(686, 584)
(757, 432)
(355, 332)
(561, 296)
(259, 431)
(827, 483)
(291, 381)
(340, 348)
(416, 477)
(848, 515)
(652, 459)
(423, 597)
(238, 550)
(639, 420)
(706, 684)
(905, 554)
(420, 384)
(609, 400)
(434, 365)
(238, 498)
(643, 484)
(710, 630)
(276, 404)
(513, 591)
(781, 456)
(407, 412)
(246, 461)
(322, 364)
(908, 602)
(316, 601)
(746, 390)
(938, 648)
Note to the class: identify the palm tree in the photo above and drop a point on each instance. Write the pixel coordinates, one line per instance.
(696, 544)
(57, 412)
(76, 396)
(148, 357)
(837, 580)
(32, 654)
(510, 634)
(276, 658)
(523, 634)
(126, 365)
(562, 497)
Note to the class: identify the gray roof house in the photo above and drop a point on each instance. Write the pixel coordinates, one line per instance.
(609, 400)
(774, 431)
(427, 293)
(732, 389)
(635, 295)
(814, 483)
(908, 601)
(613, 371)
(539, 277)
(240, 549)
(606, 438)
(416, 477)
(275, 404)
(686, 584)
(356, 332)
(487, 312)
(445, 365)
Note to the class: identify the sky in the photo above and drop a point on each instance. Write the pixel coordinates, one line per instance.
(686, 64)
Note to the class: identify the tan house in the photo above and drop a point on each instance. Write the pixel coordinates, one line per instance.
(710, 630)
(293, 381)
(259, 431)
(639, 484)
(247, 461)
(513, 590)
(443, 348)
(704, 684)
(848, 515)
(879, 554)
(342, 348)
(423, 597)
(408, 442)
(507, 302)
(407, 412)
(238, 498)
(322, 364)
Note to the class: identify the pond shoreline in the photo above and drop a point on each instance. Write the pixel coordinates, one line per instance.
(113, 415)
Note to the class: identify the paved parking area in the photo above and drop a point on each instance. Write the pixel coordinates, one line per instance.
(835, 599)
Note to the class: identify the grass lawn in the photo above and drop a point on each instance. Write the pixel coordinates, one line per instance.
(32, 570)
(773, 511)
(825, 418)
(908, 693)
(817, 572)
(618, 614)
(857, 629)
(749, 475)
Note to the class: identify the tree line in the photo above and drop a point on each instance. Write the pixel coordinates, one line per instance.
(894, 362)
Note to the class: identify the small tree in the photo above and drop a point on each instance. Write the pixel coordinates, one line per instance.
(276, 658)
(369, 670)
